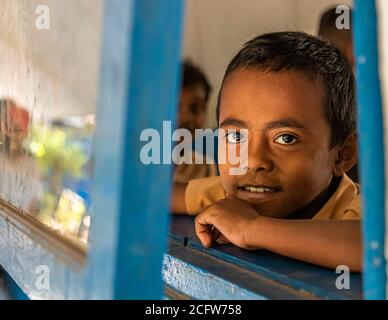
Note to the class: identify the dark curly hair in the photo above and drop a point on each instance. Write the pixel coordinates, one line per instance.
(283, 51)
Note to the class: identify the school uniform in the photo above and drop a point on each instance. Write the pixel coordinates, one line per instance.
(184, 173)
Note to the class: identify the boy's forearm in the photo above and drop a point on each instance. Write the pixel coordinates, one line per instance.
(178, 205)
(327, 243)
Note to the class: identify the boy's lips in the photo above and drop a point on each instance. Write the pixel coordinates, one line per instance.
(257, 191)
(259, 187)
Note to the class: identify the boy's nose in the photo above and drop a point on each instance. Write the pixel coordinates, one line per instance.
(260, 164)
(259, 155)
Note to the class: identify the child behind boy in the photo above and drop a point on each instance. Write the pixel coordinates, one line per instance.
(192, 114)
(294, 95)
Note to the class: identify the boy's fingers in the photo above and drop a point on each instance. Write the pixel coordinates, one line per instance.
(222, 239)
(215, 234)
(203, 229)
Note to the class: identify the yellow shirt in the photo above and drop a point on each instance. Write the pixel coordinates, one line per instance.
(345, 203)
(186, 172)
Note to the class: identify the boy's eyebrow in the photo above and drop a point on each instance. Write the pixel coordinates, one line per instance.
(234, 122)
(290, 123)
(282, 123)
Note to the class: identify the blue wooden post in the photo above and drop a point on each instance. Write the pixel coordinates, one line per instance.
(371, 135)
(139, 89)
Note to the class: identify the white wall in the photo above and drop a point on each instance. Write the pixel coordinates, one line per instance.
(216, 29)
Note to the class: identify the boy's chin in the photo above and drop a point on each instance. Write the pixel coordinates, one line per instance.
(271, 212)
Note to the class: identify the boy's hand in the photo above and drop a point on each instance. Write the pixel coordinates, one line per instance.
(228, 220)
(338, 242)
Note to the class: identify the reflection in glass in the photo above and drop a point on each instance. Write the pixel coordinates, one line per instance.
(48, 96)
(62, 157)
(46, 168)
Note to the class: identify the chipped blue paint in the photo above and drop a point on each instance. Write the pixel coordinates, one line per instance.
(200, 284)
(21, 255)
(371, 139)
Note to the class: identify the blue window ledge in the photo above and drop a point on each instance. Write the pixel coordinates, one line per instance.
(191, 271)
(228, 272)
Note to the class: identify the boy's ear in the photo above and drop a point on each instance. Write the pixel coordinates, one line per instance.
(347, 156)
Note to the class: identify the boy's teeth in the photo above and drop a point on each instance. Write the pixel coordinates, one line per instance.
(259, 190)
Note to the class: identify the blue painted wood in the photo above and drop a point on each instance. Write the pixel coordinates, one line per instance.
(22, 253)
(371, 138)
(199, 283)
(302, 280)
(202, 280)
(139, 89)
(13, 290)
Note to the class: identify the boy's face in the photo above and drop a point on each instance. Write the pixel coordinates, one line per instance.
(192, 108)
(290, 160)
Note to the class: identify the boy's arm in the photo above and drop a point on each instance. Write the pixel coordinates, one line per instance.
(327, 243)
(193, 197)
(178, 205)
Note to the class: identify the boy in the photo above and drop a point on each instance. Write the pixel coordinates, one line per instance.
(295, 95)
(342, 40)
(339, 38)
(192, 112)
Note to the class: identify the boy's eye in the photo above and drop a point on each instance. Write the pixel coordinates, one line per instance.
(286, 139)
(234, 137)
(194, 109)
